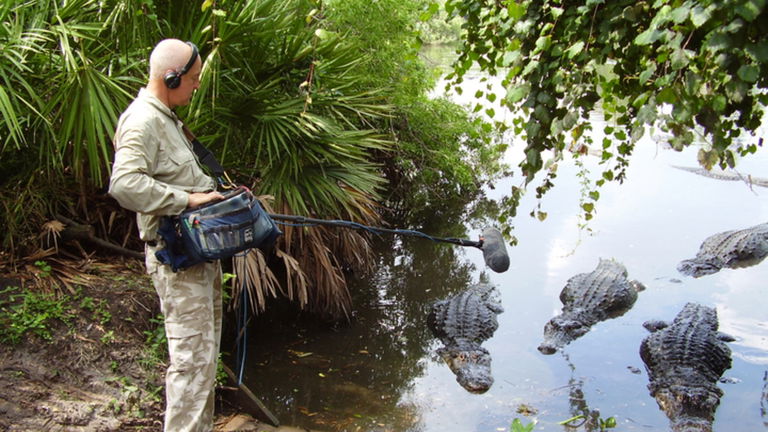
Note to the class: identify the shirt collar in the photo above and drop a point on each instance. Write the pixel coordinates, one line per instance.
(151, 99)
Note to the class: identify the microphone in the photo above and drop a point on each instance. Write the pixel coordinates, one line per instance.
(494, 250)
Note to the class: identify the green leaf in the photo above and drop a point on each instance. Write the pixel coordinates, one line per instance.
(667, 95)
(749, 73)
(699, 16)
(569, 120)
(647, 73)
(648, 37)
(750, 9)
(432, 9)
(719, 103)
(575, 49)
(718, 41)
(609, 423)
(679, 59)
(510, 57)
(707, 158)
(322, 34)
(759, 51)
(530, 67)
(681, 13)
(543, 43)
(515, 10)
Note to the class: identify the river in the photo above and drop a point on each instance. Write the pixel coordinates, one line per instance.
(381, 372)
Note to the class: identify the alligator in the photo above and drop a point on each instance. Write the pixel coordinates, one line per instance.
(462, 323)
(684, 361)
(764, 400)
(589, 298)
(728, 175)
(732, 249)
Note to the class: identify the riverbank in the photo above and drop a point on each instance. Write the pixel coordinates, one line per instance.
(87, 357)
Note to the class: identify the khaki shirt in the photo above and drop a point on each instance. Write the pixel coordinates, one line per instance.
(155, 167)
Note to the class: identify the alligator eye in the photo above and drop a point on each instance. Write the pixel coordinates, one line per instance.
(572, 325)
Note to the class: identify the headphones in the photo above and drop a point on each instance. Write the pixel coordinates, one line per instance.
(172, 79)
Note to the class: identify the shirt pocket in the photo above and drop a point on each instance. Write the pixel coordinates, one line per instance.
(176, 165)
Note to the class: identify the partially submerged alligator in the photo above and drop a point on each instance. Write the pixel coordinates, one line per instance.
(462, 323)
(589, 298)
(728, 175)
(732, 249)
(684, 361)
(764, 400)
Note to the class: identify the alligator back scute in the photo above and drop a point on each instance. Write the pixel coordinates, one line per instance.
(470, 315)
(731, 249)
(589, 298)
(462, 323)
(684, 361)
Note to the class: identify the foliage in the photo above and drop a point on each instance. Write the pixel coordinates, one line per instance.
(442, 154)
(697, 69)
(156, 343)
(435, 27)
(385, 31)
(26, 312)
(300, 100)
(517, 426)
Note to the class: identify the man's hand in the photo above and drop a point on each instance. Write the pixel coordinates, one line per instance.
(197, 199)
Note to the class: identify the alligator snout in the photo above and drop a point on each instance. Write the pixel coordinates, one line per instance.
(547, 349)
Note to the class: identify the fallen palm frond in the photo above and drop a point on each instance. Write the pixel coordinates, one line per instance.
(45, 272)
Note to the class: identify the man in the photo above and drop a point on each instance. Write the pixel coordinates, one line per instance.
(155, 174)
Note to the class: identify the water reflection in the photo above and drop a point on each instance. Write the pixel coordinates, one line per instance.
(582, 416)
(318, 375)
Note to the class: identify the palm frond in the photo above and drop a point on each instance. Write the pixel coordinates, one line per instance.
(253, 275)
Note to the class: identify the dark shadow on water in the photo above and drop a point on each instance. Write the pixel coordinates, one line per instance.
(345, 376)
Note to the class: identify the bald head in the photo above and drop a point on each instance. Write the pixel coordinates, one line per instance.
(168, 55)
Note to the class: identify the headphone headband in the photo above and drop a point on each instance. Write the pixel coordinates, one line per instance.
(191, 61)
(173, 78)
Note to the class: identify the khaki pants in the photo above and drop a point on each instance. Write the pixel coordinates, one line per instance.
(190, 300)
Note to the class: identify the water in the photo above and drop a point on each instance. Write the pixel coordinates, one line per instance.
(381, 373)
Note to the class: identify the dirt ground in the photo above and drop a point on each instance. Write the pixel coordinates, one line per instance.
(95, 372)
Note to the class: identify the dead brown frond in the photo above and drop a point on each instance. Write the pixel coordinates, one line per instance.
(43, 270)
(253, 275)
(51, 234)
(312, 263)
(296, 285)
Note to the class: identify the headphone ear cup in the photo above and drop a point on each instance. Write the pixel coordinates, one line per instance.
(172, 80)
